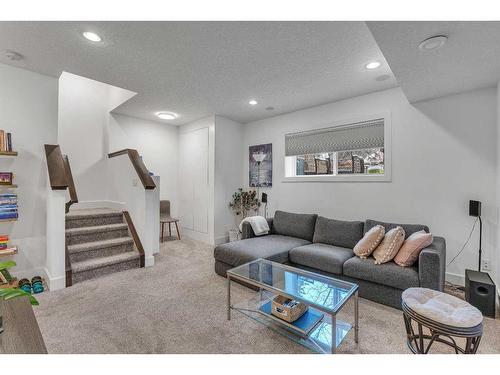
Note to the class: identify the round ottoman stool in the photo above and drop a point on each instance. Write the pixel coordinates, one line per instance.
(440, 317)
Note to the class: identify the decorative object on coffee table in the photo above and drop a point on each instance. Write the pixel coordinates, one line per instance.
(287, 309)
(445, 316)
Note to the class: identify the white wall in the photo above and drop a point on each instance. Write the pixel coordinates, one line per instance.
(157, 143)
(196, 179)
(28, 109)
(228, 177)
(427, 185)
(498, 188)
(84, 106)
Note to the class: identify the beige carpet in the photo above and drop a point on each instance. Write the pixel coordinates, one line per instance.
(178, 306)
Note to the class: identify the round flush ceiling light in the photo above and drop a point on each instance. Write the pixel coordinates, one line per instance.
(433, 42)
(93, 37)
(252, 102)
(372, 65)
(13, 55)
(166, 115)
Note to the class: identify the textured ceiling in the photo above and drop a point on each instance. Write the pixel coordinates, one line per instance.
(469, 60)
(199, 68)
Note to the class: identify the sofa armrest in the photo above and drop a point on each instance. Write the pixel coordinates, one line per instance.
(432, 265)
(247, 231)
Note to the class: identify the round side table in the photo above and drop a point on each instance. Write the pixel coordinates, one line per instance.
(431, 316)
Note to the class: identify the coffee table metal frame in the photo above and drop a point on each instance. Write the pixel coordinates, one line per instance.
(231, 275)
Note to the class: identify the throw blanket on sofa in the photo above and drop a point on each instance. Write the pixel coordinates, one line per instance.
(258, 223)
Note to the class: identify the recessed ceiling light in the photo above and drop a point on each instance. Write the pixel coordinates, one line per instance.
(433, 42)
(252, 102)
(372, 65)
(166, 115)
(93, 37)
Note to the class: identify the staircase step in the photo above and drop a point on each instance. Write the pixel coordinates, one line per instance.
(97, 267)
(96, 233)
(99, 249)
(92, 218)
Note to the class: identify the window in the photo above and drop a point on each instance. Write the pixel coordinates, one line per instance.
(344, 152)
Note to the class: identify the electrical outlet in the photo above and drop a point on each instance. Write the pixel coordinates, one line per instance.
(485, 265)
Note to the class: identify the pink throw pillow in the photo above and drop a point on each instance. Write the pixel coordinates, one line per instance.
(412, 247)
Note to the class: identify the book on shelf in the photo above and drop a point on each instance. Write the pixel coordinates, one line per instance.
(6, 178)
(9, 142)
(9, 251)
(5, 141)
(8, 215)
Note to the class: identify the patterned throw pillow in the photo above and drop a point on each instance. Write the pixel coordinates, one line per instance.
(390, 245)
(412, 247)
(365, 246)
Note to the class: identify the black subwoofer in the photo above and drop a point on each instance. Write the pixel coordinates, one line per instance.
(480, 291)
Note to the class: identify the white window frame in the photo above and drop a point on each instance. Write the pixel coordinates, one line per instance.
(290, 170)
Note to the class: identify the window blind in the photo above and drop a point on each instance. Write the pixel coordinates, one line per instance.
(354, 136)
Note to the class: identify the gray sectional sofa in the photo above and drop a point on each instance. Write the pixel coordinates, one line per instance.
(323, 245)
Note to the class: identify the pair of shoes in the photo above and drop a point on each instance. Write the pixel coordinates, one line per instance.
(36, 285)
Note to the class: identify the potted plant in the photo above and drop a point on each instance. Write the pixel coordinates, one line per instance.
(9, 293)
(242, 203)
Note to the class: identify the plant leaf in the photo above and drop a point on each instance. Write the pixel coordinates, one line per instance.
(8, 264)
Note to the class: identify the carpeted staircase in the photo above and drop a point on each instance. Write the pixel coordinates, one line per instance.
(99, 243)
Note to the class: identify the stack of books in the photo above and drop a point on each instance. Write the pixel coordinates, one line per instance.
(8, 206)
(4, 247)
(5, 141)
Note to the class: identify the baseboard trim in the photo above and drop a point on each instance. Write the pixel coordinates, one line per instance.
(198, 236)
(54, 283)
(149, 261)
(455, 278)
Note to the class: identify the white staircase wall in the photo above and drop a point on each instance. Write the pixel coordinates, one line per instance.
(143, 205)
(55, 262)
(84, 106)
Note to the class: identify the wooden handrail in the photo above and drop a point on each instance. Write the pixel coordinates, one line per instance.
(139, 166)
(60, 175)
(73, 197)
(55, 166)
(135, 237)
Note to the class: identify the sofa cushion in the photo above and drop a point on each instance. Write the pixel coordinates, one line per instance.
(408, 228)
(338, 232)
(295, 225)
(389, 274)
(320, 256)
(272, 247)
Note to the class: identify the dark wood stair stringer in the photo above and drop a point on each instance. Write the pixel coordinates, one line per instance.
(135, 237)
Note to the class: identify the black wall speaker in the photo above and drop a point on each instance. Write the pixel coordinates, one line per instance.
(264, 198)
(480, 292)
(474, 208)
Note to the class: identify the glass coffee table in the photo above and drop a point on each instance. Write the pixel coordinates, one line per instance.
(324, 296)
